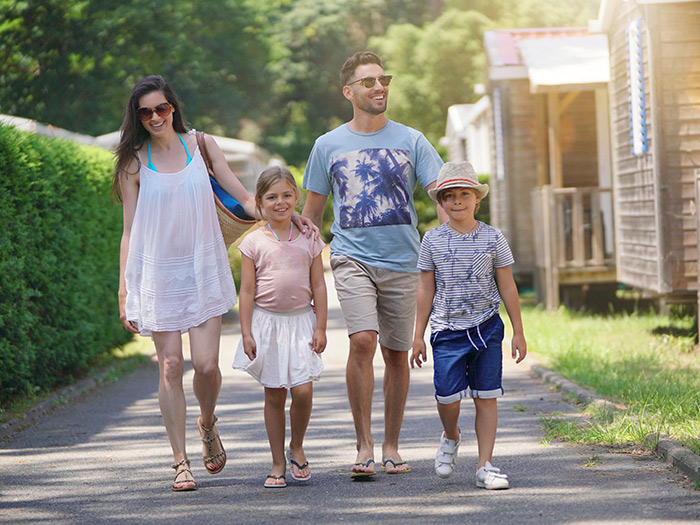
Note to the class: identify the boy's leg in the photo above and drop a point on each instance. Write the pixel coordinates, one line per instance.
(485, 425)
(299, 414)
(449, 416)
(275, 424)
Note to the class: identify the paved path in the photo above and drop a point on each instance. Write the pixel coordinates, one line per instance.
(105, 459)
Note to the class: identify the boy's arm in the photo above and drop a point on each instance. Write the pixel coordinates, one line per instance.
(509, 295)
(318, 289)
(246, 300)
(424, 303)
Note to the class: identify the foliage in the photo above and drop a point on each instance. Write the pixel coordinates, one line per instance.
(73, 63)
(59, 253)
(439, 69)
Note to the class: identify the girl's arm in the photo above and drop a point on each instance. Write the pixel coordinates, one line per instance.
(246, 300)
(424, 304)
(129, 185)
(509, 295)
(318, 289)
(229, 182)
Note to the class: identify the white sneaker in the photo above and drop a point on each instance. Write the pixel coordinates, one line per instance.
(446, 456)
(490, 477)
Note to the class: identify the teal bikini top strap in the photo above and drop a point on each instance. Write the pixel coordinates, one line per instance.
(150, 162)
(189, 157)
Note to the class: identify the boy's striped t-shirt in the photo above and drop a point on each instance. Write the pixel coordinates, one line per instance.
(466, 293)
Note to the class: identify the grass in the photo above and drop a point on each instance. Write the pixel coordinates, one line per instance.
(117, 363)
(648, 363)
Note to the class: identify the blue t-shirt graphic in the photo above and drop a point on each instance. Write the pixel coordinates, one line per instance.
(371, 177)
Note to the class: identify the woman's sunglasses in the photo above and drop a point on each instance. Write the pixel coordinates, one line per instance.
(369, 82)
(162, 110)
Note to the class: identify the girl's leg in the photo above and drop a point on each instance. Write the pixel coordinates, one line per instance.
(299, 415)
(204, 350)
(485, 425)
(275, 399)
(449, 415)
(171, 396)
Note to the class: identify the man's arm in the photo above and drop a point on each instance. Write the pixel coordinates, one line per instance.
(442, 216)
(314, 206)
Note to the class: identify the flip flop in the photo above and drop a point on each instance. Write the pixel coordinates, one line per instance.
(291, 462)
(395, 469)
(275, 485)
(362, 474)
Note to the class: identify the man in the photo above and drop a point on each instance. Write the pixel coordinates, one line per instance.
(371, 166)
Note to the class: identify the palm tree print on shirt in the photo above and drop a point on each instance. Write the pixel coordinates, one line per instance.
(372, 187)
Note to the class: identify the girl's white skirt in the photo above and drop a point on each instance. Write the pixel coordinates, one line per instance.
(283, 343)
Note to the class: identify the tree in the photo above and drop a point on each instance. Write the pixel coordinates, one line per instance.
(73, 63)
(434, 67)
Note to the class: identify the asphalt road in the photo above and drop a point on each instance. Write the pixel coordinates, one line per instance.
(105, 459)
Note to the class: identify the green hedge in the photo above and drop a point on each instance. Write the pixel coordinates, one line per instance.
(59, 261)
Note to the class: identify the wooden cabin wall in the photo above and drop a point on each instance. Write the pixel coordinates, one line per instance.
(636, 192)
(676, 40)
(511, 203)
(578, 142)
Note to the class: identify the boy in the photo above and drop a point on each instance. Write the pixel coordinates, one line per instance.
(465, 265)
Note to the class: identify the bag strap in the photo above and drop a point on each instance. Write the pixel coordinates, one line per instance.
(202, 143)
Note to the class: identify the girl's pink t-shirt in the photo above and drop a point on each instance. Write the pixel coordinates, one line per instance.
(282, 270)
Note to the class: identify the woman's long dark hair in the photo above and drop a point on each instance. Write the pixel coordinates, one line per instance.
(133, 134)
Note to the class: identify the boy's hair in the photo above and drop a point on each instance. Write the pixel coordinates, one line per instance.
(358, 59)
(441, 193)
(268, 177)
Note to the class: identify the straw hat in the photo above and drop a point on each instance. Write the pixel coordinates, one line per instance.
(458, 175)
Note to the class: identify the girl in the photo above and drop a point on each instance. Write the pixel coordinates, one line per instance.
(281, 338)
(174, 269)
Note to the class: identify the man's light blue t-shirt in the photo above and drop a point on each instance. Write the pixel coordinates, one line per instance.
(371, 177)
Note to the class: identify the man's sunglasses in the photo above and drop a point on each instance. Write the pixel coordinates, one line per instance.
(162, 110)
(369, 82)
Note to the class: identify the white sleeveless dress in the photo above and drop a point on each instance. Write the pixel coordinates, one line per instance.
(177, 271)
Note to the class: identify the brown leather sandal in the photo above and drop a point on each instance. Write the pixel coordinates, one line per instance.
(207, 439)
(185, 463)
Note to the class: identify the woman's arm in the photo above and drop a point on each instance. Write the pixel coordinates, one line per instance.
(129, 186)
(229, 182)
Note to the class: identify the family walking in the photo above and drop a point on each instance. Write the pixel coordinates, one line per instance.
(175, 277)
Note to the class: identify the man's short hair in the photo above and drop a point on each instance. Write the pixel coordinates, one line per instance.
(358, 59)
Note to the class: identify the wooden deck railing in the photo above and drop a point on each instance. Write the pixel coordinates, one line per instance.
(572, 228)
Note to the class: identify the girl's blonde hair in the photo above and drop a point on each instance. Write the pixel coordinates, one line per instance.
(270, 176)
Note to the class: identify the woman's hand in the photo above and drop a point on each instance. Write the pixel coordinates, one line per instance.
(129, 325)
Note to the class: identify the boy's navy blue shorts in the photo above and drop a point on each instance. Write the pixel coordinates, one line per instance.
(468, 362)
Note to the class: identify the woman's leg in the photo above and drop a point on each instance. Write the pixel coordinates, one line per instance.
(171, 396)
(275, 399)
(204, 351)
(299, 415)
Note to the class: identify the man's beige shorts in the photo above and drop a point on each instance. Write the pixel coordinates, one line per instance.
(376, 299)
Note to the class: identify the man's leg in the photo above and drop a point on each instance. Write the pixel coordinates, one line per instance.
(359, 376)
(396, 379)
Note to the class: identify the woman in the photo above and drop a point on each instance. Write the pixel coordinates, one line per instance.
(174, 269)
